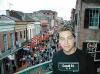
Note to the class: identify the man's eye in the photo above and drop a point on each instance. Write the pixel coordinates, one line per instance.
(61, 38)
(70, 37)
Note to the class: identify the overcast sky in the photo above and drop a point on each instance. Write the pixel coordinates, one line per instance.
(62, 7)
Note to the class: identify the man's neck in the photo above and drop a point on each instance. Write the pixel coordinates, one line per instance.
(71, 51)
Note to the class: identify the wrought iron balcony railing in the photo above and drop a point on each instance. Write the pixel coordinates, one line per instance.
(42, 68)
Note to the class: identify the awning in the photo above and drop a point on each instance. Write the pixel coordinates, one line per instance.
(26, 47)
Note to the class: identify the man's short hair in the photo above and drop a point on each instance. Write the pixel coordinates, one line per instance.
(66, 28)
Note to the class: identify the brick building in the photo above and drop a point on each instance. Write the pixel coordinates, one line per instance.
(87, 26)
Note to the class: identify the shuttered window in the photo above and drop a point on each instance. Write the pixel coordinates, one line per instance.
(92, 18)
(12, 40)
(5, 38)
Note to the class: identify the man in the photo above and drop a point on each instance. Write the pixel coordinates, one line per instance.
(71, 60)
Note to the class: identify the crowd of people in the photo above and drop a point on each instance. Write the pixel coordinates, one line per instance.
(42, 52)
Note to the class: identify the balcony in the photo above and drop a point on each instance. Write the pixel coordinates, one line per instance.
(12, 51)
(41, 68)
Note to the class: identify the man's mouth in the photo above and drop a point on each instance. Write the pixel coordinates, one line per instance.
(67, 46)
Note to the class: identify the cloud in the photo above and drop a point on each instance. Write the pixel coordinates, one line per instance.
(63, 7)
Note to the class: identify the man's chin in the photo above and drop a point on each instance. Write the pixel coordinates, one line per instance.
(67, 50)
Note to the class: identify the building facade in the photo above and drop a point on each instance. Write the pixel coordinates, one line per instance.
(87, 26)
(7, 40)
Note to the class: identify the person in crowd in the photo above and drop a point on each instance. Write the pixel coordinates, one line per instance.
(71, 60)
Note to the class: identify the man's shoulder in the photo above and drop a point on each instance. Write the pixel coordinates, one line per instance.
(81, 53)
(58, 53)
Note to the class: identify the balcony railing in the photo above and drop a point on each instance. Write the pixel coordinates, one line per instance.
(12, 51)
(41, 68)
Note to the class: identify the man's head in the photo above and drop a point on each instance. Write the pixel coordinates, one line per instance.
(67, 39)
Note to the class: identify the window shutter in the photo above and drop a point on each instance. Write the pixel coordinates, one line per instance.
(86, 19)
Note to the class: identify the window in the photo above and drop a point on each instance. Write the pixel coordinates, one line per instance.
(92, 18)
(76, 15)
(12, 40)
(5, 38)
(21, 34)
(24, 34)
(92, 48)
(16, 36)
(97, 56)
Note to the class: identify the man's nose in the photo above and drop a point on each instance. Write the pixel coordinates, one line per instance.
(66, 40)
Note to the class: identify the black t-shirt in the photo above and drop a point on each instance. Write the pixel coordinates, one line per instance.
(77, 63)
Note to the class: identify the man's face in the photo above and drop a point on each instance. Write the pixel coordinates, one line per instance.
(66, 40)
